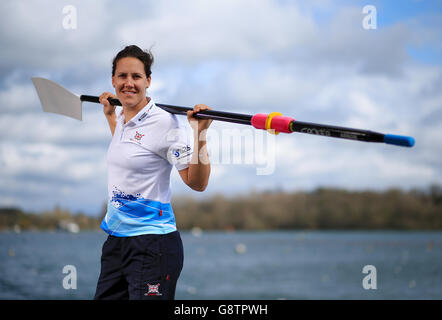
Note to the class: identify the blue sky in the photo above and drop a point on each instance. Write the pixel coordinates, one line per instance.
(427, 12)
(309, 60)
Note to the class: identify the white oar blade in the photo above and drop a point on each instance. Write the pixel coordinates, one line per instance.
(56, 99)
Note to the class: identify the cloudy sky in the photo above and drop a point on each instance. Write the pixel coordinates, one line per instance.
(312, 60)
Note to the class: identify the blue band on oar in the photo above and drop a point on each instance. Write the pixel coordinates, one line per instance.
(399, 140)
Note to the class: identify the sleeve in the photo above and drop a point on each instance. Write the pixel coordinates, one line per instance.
(176, 144)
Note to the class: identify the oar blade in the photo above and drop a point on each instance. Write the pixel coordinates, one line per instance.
(56, 99)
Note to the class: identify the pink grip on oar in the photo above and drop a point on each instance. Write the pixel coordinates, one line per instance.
(278, 123)
(259, 121)
(281, 123)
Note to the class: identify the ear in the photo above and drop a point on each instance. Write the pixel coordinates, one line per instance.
(148, 82)
(113, 81)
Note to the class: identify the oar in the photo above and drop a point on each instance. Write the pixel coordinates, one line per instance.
(56, 99)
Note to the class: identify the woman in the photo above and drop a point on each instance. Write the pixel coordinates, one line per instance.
(143, 255)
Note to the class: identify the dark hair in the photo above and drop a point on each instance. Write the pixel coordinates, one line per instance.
(146, 57)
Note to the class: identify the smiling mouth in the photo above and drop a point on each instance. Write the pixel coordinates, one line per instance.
(130, 93)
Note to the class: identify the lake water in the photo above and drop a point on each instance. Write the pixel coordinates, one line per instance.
(241, 265)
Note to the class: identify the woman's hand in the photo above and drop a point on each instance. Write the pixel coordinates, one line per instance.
(108, 109)
(203, 124)
(196, 176)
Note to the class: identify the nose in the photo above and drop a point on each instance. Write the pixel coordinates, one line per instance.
(128, 82)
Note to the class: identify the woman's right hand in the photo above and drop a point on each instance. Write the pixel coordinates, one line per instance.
(108, 109)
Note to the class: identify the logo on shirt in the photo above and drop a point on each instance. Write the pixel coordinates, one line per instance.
(181, 152)
(120, 198)
(138, 136)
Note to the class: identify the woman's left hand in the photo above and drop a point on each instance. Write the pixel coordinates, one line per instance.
(203, 124)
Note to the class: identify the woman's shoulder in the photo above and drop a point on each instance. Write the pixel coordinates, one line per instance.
(166, 119)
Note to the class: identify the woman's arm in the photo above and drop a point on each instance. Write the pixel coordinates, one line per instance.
(109, 110)
(196, 176)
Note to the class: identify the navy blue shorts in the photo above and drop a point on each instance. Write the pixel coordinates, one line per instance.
(140, 267)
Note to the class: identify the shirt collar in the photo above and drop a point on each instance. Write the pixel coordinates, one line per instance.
(140, 116)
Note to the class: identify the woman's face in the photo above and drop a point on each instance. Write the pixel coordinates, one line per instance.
(130, 82)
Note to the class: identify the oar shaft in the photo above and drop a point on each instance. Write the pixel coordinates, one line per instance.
(279, 123)
(336, 132)
(96, 99)
(206, 114)
(209, 114)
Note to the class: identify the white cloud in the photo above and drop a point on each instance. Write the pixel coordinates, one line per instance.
(192, 31)
(16, 98)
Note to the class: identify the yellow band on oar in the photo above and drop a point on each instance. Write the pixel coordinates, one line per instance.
(269, 122)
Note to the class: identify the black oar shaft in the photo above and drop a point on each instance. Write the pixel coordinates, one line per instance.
(336, 132)
(209, 114)
(293, 126)
(97, 100)
(206, 114)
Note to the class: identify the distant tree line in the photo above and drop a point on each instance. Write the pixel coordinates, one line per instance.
(15, 218)
(323, 208)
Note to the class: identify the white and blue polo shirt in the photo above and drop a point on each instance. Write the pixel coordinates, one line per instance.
(139, 160)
